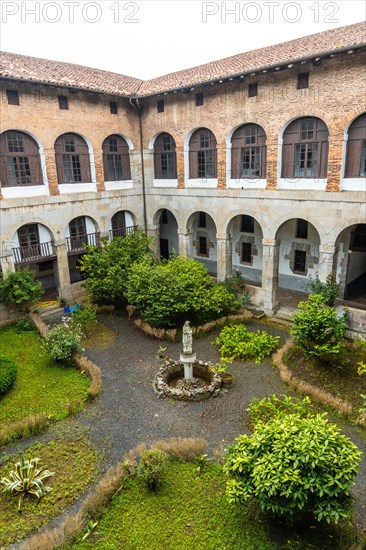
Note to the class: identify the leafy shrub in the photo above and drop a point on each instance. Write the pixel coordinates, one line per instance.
(26, 478)
(328, 290)
(168, 293)
(237, 342)
(63, 341)
(361, 368)
(8, 374)
(24, 325)
(20, 287)
(317, 329)
(264, 410)
(151, 467)
(85, 317)
(293, 465)
(106, 266)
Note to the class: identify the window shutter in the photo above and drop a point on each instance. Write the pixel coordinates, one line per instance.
(287, 161)
(353, 158)
(356, 135)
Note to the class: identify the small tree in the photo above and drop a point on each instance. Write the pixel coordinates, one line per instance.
(317, 329)
(106, 266)
(151, 467)
(328, 290)
(168, 293)
(20, 287)
(292, 466)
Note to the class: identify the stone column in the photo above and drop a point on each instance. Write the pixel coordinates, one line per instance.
(7, 262)
(62, 272)
(269, 300)
(153, 231)
(326, 261)
(184, 242)
(224, 257)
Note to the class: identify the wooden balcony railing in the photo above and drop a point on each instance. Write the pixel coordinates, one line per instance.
(77, 244)
(33, 253)
(122, 231)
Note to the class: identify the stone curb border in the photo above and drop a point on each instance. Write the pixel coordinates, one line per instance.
(171, 334)
(317, 393)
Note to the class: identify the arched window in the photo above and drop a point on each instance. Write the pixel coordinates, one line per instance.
(356, 149)
(202, 154)
(72, 159)
(116, 159)
(20, 163)
(248, 152)
(165, 162)
(305, 149)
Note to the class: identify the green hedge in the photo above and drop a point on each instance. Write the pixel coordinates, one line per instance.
(8, 374)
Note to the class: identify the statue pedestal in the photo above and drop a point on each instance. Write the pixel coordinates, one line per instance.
(187, 359)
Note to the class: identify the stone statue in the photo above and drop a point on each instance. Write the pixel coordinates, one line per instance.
(187, 338)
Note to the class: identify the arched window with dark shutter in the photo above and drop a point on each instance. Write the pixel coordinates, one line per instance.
(116, 159)
(20, 163)
(202, 154)
(356, 149)
(305, 149)
(165, 162)
(72, 159)
(248, 152)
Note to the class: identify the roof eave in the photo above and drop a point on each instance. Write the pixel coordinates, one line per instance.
(291, 61)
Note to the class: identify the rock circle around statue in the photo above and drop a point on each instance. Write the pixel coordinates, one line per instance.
(170, 382)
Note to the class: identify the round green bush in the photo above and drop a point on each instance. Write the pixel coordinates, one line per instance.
(8, 374)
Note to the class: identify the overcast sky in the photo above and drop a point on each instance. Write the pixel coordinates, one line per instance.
(150, 38)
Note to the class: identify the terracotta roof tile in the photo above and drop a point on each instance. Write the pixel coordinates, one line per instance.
(23, 67)
(254, 60)
(66, 74)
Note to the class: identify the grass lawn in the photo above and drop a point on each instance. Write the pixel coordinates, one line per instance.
(74, 463)
(190, 511)
(41, 386)
(339, 376)
(98, 336)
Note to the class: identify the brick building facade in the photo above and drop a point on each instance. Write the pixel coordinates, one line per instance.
(255, 163)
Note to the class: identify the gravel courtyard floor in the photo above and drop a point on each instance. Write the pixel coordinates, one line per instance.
(129, 412)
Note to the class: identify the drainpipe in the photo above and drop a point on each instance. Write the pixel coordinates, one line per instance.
(134, 102)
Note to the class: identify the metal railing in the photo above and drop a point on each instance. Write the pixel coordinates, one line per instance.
(121, 231)
(33, 253)
(77, 244)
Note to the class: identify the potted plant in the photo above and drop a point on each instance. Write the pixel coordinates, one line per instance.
(220, 368)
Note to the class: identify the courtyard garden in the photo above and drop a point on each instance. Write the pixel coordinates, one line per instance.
(258, 466)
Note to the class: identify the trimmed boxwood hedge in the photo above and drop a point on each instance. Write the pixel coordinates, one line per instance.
(8, 374)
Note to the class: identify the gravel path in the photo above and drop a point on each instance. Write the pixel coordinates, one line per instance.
(129, 412)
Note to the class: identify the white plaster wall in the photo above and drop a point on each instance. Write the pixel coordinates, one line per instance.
(286, 236)
(169, 231)
(252, 272)
(356, 265)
